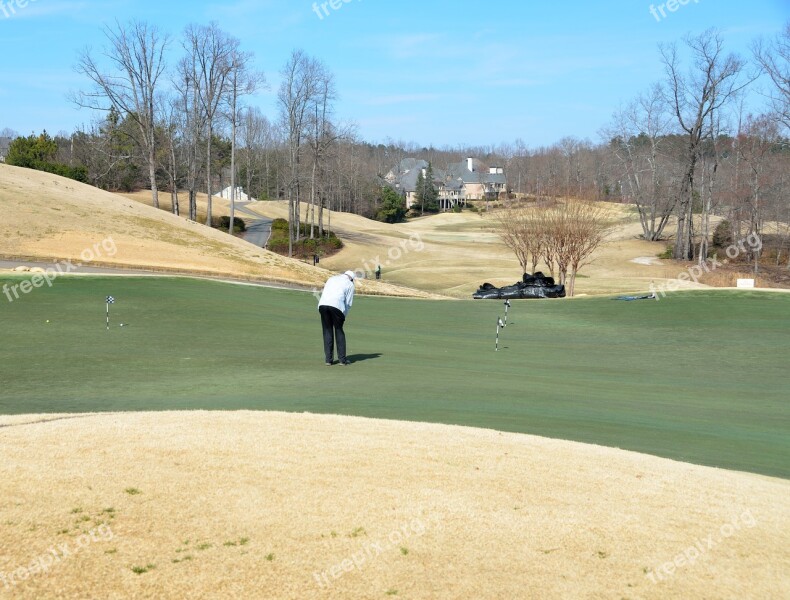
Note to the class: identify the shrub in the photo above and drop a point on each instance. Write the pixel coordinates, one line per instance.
(280, 225)
(668, 253)
(305, 248)
(239, 226)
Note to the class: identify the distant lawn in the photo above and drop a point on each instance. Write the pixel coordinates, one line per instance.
(698, 377)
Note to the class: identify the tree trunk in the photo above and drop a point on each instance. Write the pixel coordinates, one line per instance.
(208, 178)
(312, 203)
(233, 165)
(152, 176)
(683, 245)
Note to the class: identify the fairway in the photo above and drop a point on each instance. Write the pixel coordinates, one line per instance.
(699, 377)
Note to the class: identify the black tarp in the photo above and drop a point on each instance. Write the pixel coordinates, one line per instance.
(530, 286)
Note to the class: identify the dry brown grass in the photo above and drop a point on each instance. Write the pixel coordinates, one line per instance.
(47, 217)
(461, 251)
(254, 505)
(219, 206)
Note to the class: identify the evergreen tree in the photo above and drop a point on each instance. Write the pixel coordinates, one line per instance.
(38, 152)
(427, 196)
(393, 206)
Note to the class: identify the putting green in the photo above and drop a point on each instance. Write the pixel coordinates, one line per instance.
(699, 377)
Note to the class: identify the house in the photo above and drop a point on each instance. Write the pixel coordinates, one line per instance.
(403, 178)
(466, 180)
(5, 143)
(240, 195)
(479, 183)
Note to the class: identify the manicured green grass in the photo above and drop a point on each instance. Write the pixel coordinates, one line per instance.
(699, 377)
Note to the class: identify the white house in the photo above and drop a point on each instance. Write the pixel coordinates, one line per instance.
(240, 195)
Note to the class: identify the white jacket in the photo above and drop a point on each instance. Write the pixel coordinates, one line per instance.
(338, 292)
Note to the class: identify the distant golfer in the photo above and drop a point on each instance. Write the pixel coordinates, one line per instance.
(378, 272)
(334, 305)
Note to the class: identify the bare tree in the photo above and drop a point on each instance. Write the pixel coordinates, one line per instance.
(756, 144)
(774, 59)
(322, 135)
(563, 234)
(300, 77)
(242, 81)
(523, 229)
(637, 138)
(586, 226)
(172, 125)
(136, 55)
(210, 52)
(193, 126)
(514, 228)
(693, 98)
(254, 129)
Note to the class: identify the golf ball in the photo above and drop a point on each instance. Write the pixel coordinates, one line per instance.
(47, 320)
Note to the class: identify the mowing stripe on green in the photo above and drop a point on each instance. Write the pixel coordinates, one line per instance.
(699, 377)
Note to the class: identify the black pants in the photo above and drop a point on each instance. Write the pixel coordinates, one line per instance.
(332, 321)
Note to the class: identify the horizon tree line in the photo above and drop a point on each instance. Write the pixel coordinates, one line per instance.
(685, 149)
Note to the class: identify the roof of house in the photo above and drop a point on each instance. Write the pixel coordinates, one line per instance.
(479, 175)
(404, 176)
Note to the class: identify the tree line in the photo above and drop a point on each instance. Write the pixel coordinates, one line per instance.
(690, 147)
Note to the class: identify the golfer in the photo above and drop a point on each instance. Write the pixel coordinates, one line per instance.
(334, 305)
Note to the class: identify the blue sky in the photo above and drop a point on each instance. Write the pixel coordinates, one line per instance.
(435, 73)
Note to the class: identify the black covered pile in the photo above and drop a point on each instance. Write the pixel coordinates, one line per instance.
(531, 286)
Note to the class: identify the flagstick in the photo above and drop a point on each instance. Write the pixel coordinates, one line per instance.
(507, 306)
(108, 316)
(498, 323)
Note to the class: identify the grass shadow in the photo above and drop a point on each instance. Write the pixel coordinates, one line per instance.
(361, 357)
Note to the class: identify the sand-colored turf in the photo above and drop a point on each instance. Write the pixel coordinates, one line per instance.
(48, 217)
(270, 505)
(453, 254)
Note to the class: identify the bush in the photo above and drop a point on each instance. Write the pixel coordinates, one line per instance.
(668, 253)
(306, 247)
(239, 226)
(280, 225)
(223, 223)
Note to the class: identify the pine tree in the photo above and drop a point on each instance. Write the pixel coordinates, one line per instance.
(427, 196)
